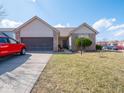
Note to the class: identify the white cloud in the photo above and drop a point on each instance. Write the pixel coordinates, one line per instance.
(59, 25)
(117, 27)
(119, 33)
(113, 19)
(63, 26)
(103, 23)
(6, 23)
(34, 1)
(108, 30)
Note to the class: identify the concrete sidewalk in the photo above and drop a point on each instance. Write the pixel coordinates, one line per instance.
(23, 78)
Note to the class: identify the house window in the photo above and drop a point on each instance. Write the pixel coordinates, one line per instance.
(84, 35)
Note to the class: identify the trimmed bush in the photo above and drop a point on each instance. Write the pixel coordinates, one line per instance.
(98, 47)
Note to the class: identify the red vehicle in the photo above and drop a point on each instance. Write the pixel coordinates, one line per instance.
(120, 47)
(10, 46)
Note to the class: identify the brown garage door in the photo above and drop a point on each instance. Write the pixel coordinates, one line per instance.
(38, 44)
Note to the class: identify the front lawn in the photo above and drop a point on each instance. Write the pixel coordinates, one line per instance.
(90, 73)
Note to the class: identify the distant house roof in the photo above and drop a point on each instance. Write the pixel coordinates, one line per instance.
(64, 32)
(6, 29)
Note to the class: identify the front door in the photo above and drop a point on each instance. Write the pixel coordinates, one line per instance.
(65, 44)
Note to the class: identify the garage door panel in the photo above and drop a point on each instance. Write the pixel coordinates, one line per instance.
(38, 44)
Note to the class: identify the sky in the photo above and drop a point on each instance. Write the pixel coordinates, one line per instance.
(106, 16)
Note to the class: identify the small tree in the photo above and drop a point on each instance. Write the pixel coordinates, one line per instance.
(82, 43)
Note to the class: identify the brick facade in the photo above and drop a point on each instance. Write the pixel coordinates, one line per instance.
(17, 33)
(55, 41)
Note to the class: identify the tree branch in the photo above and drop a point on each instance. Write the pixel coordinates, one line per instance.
(2, 12)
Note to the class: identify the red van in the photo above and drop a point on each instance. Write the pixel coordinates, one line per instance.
(10, 46)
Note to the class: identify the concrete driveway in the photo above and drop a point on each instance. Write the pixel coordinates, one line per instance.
(18, 74)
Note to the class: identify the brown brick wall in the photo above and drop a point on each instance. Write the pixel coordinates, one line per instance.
(18, 35)
(55, 41)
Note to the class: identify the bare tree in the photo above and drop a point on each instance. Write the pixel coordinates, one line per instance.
(2, 12)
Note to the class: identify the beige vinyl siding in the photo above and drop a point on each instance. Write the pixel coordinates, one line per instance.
(84, 30)
(36, 29)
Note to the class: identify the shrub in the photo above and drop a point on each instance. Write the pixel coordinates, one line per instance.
(98, 47)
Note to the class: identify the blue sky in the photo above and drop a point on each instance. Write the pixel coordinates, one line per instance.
(107, 16)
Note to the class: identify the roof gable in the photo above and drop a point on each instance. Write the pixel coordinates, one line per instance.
(85, 25)
(31, 20)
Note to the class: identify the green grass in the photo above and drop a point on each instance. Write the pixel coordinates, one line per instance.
(89, 73)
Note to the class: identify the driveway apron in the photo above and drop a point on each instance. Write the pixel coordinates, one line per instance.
(23, 78)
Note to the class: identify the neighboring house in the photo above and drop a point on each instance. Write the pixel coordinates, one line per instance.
(107, 43)
(38, 35)
(111, 43)
(121, 43)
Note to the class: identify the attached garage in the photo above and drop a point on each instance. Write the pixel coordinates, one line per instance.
(37, 35)
(38, 43)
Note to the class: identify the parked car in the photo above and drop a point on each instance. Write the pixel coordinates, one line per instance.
(10, 46)
(114, 48)
(120, 47)
(104, 48)
(110, 48)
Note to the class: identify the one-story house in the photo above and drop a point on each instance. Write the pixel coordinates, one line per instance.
(38, 35)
